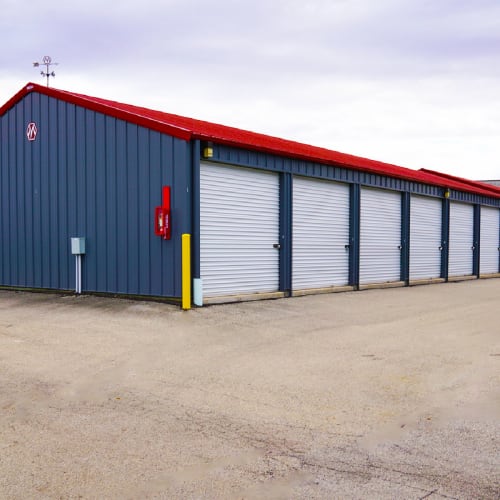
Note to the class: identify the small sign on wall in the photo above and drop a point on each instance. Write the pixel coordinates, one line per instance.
(31, 131)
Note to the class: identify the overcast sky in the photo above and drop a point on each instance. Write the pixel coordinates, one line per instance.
(410, 82)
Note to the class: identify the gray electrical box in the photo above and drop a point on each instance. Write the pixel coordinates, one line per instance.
(77, 246)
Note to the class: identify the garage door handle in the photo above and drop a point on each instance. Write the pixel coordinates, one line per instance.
(400, 247)
(347, 247)
(277, 246)
(440, 249)
(472, 248)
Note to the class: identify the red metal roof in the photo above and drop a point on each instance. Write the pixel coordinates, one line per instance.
(190, 128)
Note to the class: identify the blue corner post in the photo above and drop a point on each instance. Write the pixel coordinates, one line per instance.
(476, 245)
(354, 232)
(195, 223)
(445, 235)
(405, 237)
(285, 280)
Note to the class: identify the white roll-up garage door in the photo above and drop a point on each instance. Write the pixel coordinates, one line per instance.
(461, 239)
(320, 234)
(239, 224)
(490, 240)
(425, 237)
(380, 236)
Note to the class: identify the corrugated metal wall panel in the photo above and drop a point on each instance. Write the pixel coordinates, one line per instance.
(239, 224)
(89, 175)
(425, 237)
(461, 239)
(490, 240)
(380, 236)
(4, 199)
(245, 158)
(320, 233)
(471, 198)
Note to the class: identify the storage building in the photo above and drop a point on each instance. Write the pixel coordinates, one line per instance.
(267, 217)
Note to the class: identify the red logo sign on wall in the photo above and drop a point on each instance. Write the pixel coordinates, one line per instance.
(31, 131)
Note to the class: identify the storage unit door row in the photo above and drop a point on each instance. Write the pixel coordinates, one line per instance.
(241, 239)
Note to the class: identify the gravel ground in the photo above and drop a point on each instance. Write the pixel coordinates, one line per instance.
(379, 394)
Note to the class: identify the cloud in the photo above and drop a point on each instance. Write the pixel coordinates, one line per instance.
(406, 81)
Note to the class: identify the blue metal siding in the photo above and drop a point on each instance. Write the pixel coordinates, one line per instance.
(4, 199)
(195, 199)
(44, 198)
(181, 178)
(21, 207)
(155, 179)
(121, 207)
(100, 201)
(254, 159)
(474, 198)
(10, 205)
(60, 198)
(91, 175)
(245, 158)
(51, 256)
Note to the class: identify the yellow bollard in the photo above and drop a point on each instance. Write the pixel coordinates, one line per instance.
(186, 271)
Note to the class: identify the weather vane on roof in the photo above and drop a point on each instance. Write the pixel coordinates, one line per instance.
(47, 62)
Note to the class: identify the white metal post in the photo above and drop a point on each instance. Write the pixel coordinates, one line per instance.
(78, 278)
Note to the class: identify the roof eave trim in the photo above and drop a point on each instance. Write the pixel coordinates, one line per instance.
(15, 99)
(436, 180)
(70, 98)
